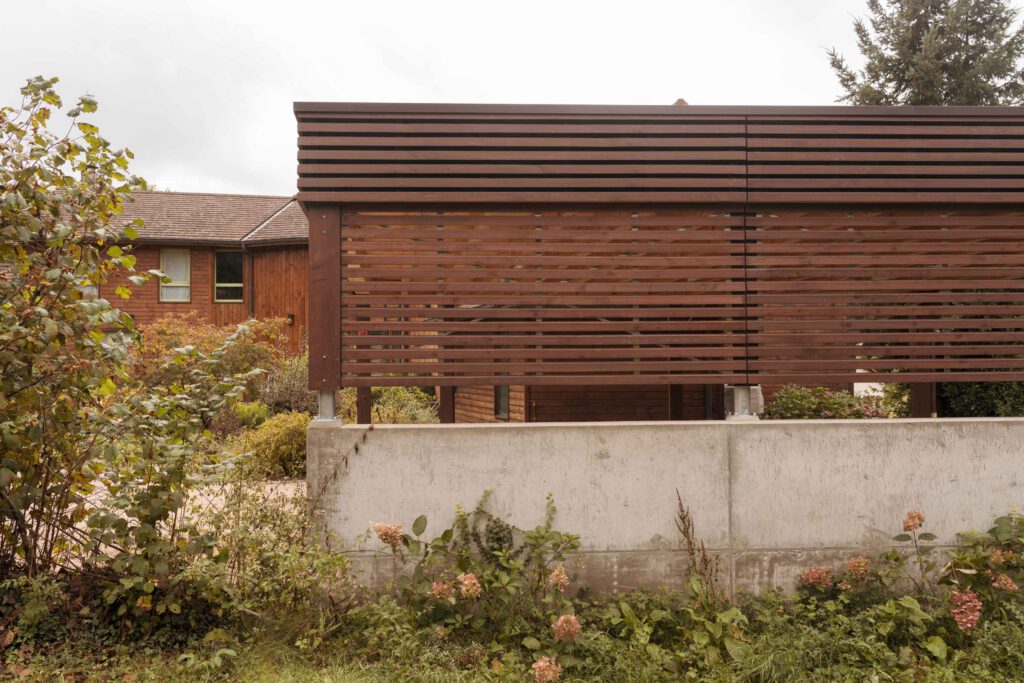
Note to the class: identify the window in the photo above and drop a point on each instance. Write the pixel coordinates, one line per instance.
(228, 282)
(501, 402)
(177, 265)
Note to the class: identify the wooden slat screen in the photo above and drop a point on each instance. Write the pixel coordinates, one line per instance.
(542, 297)
(905, 295)
(680, 296)
(384, 153)
(894, 159)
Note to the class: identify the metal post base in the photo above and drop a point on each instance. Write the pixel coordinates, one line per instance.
(741, 407)
(328, 411)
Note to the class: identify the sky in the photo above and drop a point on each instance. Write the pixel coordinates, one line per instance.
(202, 91)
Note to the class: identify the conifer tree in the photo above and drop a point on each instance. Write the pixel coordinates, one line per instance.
(935, 52)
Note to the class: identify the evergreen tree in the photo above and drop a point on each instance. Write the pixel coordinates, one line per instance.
(935, 52)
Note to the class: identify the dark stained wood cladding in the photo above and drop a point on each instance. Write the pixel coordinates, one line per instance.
(905, 295)
(688, 154)
(681, 296)
(558, 297)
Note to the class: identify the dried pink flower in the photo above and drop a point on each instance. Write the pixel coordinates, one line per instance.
(966, 609)
(558, 579)
(818, 577)
(441, 590)
(843, 586)
(566, 628)
(546, 670)
(998, 557)
(858, 568)
(913, 521)
(469, 585)
(389, 534)
(1002, 581)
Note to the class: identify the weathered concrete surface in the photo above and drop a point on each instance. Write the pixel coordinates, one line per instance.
(769, 498)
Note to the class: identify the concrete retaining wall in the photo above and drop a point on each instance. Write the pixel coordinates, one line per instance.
(771, 498)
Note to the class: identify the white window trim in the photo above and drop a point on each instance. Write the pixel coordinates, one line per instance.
(240, 286)
(186, 283)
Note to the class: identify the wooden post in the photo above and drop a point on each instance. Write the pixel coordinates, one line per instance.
(675, 402)
(923, 399)
(324, 296)
(364, 405)
(446, 405)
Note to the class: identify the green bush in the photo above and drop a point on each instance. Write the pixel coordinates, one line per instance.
(277, 448)
(393, 405)
(793, 402)
(251, 413)
(981, 399)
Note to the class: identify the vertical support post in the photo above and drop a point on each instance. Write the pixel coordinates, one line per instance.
(364, 405)
(446, 405)
(328, 411)
(324, 331)
(923, 399)
(675, 402)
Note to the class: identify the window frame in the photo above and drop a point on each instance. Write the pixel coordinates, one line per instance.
(174, 283)
(500, 389)
(233, 285)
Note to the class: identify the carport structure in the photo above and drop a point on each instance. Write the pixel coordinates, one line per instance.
(675, 246)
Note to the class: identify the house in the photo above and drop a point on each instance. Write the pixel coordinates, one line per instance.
(230, 258)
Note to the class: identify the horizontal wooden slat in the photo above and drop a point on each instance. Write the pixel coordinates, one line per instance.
(460, 154)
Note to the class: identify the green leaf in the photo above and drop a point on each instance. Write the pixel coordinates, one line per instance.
(131, 233)
(737, 649)
(937, 646)
(420, 525)
(531, 643)
(115, 251)
(902, 538)
(927, 536)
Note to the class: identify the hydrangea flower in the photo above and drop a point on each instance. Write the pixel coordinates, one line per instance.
(858, 568)
(818, 577)
(546, 670)
(558, 579)
(389, 534)
(441, 590)
(966, 609)
(469, 585)
(567, 628)
(913, 521)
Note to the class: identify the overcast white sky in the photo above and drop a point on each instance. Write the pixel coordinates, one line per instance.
(202, 91)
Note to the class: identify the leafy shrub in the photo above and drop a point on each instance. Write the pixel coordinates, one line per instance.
(286, 387)
(981, 399)
(158, 360)
(277, 448)
(792, 402)
(392, 405)
(251, 413)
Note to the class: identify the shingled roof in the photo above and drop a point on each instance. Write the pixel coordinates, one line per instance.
(216, 219)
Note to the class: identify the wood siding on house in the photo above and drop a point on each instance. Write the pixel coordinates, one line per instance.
(280, 285)
(476, 404)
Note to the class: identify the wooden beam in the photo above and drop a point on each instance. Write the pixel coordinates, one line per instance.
(923, 399)
(446, 405)
(364, 405)
(324, 296)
